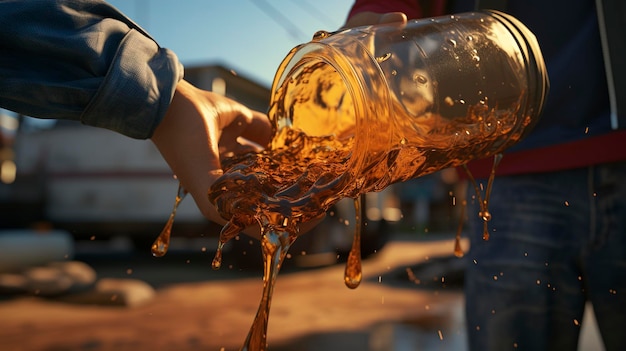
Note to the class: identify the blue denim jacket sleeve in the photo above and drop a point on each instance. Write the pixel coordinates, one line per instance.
(83, 60)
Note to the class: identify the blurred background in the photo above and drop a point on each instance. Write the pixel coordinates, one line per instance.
(94, 201)
(97, 185)
(251, 37)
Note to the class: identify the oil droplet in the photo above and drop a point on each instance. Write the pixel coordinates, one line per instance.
(383, 58)
(486, 215)
(217, 260)
(162, 242)
(418, 78)
(412, 276)
(448, 100)
(319, 35)
(485, 232)
(458, 250)
(452, 42)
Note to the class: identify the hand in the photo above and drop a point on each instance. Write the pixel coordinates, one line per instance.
(369, 18)
(199, 127)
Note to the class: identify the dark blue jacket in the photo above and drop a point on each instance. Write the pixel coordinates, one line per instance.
(583, 42)
(578, 103)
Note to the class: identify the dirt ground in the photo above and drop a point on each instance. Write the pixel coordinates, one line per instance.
(311, 310)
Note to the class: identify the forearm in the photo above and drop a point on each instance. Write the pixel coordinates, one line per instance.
(83, 60)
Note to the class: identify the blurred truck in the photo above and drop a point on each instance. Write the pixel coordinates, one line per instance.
(98, 184)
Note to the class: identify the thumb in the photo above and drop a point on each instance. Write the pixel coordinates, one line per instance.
(393, 17)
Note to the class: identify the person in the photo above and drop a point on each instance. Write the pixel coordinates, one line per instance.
(86, 61)
(558, 203)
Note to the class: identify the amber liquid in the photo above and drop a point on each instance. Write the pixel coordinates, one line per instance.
(296, 183)
(322, 152)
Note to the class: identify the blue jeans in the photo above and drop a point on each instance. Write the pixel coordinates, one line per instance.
(556, 241)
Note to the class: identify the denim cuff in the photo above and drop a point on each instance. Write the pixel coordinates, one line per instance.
(137, 89)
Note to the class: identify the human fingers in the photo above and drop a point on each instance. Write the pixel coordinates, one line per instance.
(259, 130)
(369, 18)
(393, 17)
(249, 133)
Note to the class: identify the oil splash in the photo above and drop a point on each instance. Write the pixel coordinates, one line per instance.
(310, 165)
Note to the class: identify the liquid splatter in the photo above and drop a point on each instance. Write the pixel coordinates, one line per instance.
(162, 242)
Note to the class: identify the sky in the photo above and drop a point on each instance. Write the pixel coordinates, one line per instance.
(251, 37)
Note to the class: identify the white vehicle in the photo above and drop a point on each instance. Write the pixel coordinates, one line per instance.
(95, 182)
(98, 184)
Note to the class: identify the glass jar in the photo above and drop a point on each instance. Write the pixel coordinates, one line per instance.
(414, 98)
